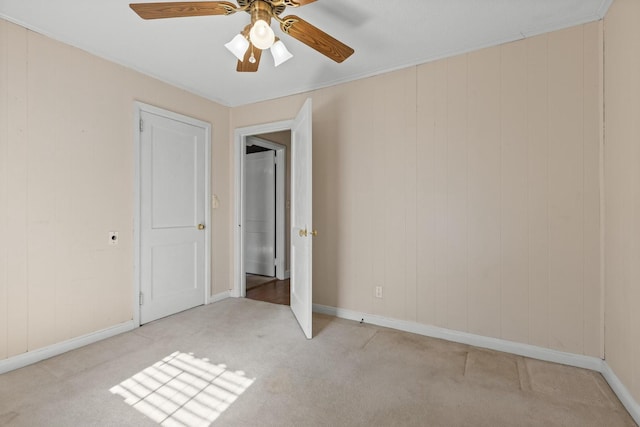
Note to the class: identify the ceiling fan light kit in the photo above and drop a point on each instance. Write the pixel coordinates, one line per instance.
(258, 34)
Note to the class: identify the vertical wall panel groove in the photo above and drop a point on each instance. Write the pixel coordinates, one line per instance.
(457, 194)
(411, 191)
(4, 178)
(483, 192)
(592, 131)
(514, 257)
(565, 198)
(441, 189)
(426, 197)
(17, 205)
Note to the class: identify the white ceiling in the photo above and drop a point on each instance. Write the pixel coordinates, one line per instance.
(386, 35)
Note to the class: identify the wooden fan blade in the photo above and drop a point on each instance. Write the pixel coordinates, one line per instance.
(245, 65)
(315, 38)
(181, 9)
(296, 3)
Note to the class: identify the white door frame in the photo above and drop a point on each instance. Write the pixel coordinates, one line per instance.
(240, 141)
(281, 166)
(139, 107)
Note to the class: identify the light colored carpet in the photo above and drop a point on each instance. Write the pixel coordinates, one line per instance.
(246, 363)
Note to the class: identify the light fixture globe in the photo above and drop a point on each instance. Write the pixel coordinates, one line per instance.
(238, 46)
(261, 35)
(280, 53)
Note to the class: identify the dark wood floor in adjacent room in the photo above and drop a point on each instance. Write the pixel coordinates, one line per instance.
(268, 289)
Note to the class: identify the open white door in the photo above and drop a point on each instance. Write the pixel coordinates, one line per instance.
(301, 226)
(173, 256)
(260, 213)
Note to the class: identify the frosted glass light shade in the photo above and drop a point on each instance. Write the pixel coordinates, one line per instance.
(261, 35)
(238, 46)
(280, 53)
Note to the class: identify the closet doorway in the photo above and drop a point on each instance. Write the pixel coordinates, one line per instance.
(266, 217)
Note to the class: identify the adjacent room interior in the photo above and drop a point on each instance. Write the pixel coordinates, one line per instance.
(267, 240)
(474, 235)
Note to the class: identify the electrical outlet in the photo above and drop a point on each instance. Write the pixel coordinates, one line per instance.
(113, 238)
(378, 291)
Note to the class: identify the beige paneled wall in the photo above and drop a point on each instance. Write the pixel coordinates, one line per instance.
(622, 190)
(468, 188)
(66, 179)
(509, 138)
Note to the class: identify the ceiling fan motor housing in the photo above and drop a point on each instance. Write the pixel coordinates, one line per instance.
(260, 10)
(276, 7)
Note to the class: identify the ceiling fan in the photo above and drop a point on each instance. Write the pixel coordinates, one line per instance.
(258, 35)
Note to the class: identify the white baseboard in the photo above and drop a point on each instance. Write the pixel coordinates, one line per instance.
(219, 297)
(283, 275)
(34, 356)
(526, 350)
(30, 357)
(622, 392)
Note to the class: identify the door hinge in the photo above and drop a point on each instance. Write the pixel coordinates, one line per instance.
(141, 298)
(141, 125)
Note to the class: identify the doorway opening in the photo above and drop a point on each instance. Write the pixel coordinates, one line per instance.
(301, 215)
(266, 190)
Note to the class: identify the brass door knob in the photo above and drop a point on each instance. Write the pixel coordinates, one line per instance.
(314, 233)
(200, 226)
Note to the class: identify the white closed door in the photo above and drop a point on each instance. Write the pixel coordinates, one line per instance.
(172, 216)
(302, 231)
(260, 213)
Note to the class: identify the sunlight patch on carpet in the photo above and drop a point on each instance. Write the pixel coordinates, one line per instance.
(182, 390)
